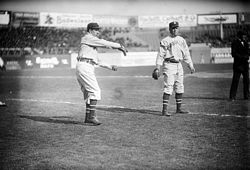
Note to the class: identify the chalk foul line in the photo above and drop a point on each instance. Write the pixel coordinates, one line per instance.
(114, 106)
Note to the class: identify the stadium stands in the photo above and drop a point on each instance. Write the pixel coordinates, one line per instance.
(60, 41)
(51, 40)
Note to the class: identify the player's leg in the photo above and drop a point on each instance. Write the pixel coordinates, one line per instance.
(178, 98)
(168, 90)
(246, 84)
(234, 84)
(93, 94)
(179, 89)
(165, 105)
(91, 91)
(91, 112)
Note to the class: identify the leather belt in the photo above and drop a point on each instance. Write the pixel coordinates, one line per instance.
(87, 60)
(171, 60)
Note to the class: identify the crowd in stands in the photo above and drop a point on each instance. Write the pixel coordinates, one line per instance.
(58, 41)
(211, 36)
(43, 39)
(48, 40)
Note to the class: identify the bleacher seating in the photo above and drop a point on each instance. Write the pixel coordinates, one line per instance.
(58, 41)
(150, 37)
(49, 40)
(210, 34)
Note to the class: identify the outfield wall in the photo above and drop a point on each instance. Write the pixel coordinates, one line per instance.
(133, 59)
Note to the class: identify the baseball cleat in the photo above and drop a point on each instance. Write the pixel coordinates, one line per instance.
(182, 112)
(93, 121)
(164, 113)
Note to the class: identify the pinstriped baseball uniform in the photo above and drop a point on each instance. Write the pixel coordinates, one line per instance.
(173, 72)
(85, 71)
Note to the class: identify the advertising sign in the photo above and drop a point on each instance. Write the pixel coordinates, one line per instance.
(245, 17)
(132, 59)
(161, 21)
(13, 65)
(4, 18)
(25, 18)
(139, 59)
(64, 20)
(217, 19)
(115, 21)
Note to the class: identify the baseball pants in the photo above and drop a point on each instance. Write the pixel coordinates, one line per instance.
(173, 78)
(86, 78)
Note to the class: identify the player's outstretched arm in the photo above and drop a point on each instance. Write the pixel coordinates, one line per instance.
(123, 50)
(110, 67)
(96, 42)
(191, 67)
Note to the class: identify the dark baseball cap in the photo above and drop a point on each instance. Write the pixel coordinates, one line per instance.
(93, 26)
(173, 24)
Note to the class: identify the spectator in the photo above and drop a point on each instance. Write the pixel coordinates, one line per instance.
(240, 53)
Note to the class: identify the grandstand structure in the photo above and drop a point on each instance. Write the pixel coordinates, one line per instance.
(23, 33)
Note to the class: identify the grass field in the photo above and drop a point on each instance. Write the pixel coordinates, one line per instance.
(42, 127)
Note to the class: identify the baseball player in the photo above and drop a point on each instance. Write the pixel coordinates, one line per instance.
(85, 69)
(173, 49)
(2, 67)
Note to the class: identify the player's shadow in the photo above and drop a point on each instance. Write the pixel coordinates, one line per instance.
(205, 98)
(128, 110)
(54, 119)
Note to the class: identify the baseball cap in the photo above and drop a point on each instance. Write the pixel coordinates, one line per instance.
(93, 26)
(173, 24)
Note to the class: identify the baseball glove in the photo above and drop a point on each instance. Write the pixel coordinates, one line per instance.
(123, 50)
(156, 74)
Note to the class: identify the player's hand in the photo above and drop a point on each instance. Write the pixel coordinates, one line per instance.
(123, 50)
(114, 68)
(192, 69)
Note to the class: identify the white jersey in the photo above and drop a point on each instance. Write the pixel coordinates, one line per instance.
(89, 45)
(174, 47)
(86, 72)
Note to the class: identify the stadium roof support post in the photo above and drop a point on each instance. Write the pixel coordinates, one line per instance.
(221, 30)
(221, 19)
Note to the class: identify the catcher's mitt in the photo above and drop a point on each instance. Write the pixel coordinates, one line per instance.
(123, 49)
(156, 74)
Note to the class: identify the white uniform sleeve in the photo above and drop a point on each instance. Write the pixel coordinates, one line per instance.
(161, 53)
(186, 54)
(97, 42)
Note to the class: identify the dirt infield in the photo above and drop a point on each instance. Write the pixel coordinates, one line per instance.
(42, 127)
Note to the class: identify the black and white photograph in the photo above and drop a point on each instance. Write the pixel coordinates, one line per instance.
(124, 85)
